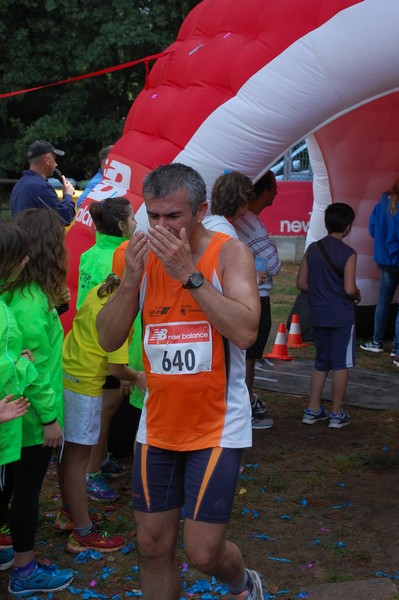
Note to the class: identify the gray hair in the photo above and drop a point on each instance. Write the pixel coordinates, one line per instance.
(168, 179)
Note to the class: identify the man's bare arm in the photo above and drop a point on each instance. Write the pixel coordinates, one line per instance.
(350, 279)
(116, 318)
(236, 312)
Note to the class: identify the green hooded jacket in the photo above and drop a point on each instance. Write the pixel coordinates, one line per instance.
(16, 373)
(96, 264)
(43, 334)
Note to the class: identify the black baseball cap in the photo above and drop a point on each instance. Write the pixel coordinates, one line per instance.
(40, 147)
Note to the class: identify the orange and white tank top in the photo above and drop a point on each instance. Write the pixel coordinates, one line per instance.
(197, 397)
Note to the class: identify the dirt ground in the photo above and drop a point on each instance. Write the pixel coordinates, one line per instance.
(329, 498)
(316, 505)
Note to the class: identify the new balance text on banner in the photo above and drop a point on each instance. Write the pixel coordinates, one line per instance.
(290, 213)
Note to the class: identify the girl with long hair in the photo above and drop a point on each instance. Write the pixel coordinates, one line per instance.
(16, 372)
(32, 293)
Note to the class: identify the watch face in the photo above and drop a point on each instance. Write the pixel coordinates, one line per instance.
(196, 279)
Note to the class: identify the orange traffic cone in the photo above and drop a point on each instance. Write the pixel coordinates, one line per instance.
(280, 345)
(295, 335)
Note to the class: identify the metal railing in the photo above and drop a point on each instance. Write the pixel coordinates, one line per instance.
(295, 164)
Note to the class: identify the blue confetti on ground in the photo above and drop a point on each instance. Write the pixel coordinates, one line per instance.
(284, 560)
(262, 536)
(83, 557)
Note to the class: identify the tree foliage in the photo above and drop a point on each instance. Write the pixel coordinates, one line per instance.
(44, 41)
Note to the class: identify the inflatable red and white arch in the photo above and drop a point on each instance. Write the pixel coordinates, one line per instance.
(247, 79)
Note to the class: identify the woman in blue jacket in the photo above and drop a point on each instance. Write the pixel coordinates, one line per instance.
(380, 223)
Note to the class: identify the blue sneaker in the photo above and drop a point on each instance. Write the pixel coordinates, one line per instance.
(6, 558)
(98, 488)
(42, 579)
(338, 421)
(310, 416)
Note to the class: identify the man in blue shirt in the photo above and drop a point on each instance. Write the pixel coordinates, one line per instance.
(34, 191)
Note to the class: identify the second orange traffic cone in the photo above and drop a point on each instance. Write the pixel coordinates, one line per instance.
(280, 350)
(295, 335)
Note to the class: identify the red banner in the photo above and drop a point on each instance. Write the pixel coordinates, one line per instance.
(290, 212)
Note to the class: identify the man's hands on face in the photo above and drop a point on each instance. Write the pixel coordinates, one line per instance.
(174, 252)
(136, 254)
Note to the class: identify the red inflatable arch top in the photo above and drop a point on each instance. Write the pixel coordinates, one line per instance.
(247, 79)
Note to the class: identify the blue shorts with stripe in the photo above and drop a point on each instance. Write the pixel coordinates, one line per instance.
(203, 481)
(335, 347)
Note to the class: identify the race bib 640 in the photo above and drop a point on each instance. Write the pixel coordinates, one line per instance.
(179, 348)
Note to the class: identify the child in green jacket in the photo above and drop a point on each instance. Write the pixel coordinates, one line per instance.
(11, 409)
(31, 295)
(16, 372)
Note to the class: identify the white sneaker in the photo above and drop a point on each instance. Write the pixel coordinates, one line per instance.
(372, 346)
(259, 589)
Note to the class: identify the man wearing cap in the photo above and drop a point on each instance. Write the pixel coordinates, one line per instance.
(34, 191)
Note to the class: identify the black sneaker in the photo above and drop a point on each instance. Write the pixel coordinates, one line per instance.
(111, 468)
(372, 346)
(261, 421)
(257, 405)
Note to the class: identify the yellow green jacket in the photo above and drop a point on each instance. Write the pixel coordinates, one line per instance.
(43, 334)
(16, 373)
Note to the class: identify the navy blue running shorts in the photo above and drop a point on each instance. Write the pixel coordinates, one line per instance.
(203, 481)
(335, 348)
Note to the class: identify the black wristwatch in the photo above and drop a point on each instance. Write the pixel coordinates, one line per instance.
(195, 280)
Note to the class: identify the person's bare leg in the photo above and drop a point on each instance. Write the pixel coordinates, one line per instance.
(317, 382)
(21, 559)
(250, 376)
(339, 385)
(210, 553)
(156, 540)
(60, 477)
(73, 487)
(111, 401)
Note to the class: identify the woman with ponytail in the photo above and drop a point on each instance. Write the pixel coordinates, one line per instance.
(115, 223)
(86, 367)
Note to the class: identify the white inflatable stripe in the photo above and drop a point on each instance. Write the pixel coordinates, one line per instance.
(318, 78)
